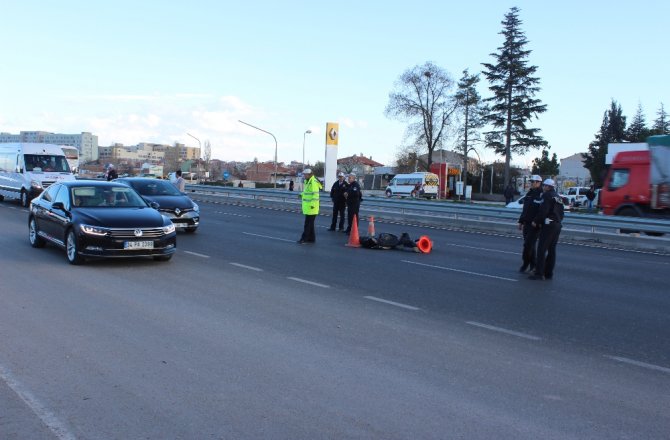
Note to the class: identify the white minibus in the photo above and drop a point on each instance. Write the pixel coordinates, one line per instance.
(26, 169)
(414, 185)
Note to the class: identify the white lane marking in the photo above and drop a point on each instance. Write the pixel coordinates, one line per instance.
(484, 249)
(639, 364)
(196, 254)
(461, 271)
(55, 425)
(393, 303)
(230, 213)
(300, 280)
(267, 236)
(504, 330)
(244, 266)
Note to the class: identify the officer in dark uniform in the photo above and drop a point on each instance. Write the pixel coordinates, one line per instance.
(339, 202)
(548, 219)
(353, 195)
(531, 205)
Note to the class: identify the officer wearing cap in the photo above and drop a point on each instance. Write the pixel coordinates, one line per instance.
(339, 202)
(548, 219)
(354, 196)
(310, 205)
(531, 204)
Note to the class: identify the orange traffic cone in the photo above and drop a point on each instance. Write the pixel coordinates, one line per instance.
(424, 244)
(354, 240)
(371, 227)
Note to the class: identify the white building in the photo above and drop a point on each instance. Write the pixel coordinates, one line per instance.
(86, 143)
(572, 170)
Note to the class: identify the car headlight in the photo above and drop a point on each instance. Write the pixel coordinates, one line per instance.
(169, 229)
(195, 207)
(93, 230)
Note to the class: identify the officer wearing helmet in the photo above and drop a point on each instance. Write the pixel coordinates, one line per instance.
(548, 219)
(531, 205)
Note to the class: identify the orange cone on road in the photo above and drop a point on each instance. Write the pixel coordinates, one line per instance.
(371, 227)
(354, 239)
(424, 244)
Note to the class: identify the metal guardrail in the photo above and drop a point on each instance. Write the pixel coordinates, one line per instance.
(618, 231)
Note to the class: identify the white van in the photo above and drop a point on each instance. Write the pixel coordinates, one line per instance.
(26, 169)
(414, 185)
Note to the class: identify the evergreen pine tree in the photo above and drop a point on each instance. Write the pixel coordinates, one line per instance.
(637, 131)
(473, 111)
(514, 86)
(612, 129)
(545, 166)
(662, 122)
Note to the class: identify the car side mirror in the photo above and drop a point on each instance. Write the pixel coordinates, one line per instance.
(58, 205)
(520, 202)
(154, 205)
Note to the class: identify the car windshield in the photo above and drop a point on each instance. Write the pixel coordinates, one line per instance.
(46, 162)
(155, 188)
(106, 197)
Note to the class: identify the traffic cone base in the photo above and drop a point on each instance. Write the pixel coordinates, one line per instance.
(371, 227)
(354, 239)
(424, 244)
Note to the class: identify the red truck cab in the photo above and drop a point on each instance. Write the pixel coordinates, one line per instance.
(638, 182)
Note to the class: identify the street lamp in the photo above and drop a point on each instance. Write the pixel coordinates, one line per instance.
(273, 137)
(303, 147)
(481, 172)
(200, 148)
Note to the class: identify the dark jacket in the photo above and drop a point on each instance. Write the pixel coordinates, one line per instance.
(551, 209)
(531, 205)
(354, 194)
(337, 191)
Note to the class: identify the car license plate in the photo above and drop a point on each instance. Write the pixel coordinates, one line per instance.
(138, 245)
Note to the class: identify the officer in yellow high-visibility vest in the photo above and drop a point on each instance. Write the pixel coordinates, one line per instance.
(310, 205)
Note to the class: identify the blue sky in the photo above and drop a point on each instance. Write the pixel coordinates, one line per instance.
(150, 71)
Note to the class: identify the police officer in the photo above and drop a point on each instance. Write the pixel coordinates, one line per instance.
(548, 219)
(310, 205)
(531, 205)
(353, 195)
(339, 202)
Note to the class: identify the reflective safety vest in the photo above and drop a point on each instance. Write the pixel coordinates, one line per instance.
(310, 196)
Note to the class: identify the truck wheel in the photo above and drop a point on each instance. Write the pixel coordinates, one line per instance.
(628, 212)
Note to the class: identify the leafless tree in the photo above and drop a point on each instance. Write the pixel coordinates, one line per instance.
(423, 97)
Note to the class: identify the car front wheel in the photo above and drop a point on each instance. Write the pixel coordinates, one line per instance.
(71, 249)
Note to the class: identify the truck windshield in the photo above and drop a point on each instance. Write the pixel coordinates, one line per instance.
(46, 162)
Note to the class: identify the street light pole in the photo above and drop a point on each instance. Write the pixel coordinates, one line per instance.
(200, 148)
(303, 147)
(273, 137)
(481, 169)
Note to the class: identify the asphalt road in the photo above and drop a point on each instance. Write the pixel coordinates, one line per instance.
(245, 334)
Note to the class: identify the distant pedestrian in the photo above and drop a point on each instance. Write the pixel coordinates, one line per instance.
(548, 219)
(591, 196)
(339, 202)
(111, 173)
(531, 205)
(508, 193)
(354, 196)
(179, 182)
(290, 185)
(310, 206)
(240, 185)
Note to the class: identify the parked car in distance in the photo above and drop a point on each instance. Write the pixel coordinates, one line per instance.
(575, 196)
(91, 218)
(179, 208)
(518, 203)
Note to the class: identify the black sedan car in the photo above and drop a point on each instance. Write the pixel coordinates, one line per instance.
(183, 211)
(99, 219)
